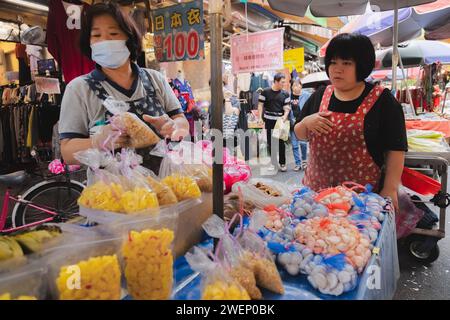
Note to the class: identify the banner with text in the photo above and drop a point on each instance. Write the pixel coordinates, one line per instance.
(294, 59)
(260, 51)
(178, 32)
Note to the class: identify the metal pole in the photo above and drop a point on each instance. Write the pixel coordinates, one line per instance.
(395, 47)
(215, 11)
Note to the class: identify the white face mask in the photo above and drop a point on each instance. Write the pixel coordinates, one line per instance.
(110, 53)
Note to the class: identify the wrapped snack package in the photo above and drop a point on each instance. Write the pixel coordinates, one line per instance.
(140, 133)
(257, 256)
(188, 159)
(263, 192)
(149, 264)
(232, 255)
(86, 271)
(332, 275)
(116, 188)
(217, 282)
(334, 235)
(234, 203)
(184, 187)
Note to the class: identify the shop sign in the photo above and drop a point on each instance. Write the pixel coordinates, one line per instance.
(178, 32)
(260, 51)
(294, 59)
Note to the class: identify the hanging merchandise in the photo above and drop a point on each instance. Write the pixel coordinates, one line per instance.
(63, 30)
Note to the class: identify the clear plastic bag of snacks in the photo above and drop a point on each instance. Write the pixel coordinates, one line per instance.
(140, 133)
(147, 256)
(86, 271)
(232, 256)
(263, 192)
(217, 283)
(114, 189)
(257, 256)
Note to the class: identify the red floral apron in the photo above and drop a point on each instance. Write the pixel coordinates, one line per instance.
(342, 154)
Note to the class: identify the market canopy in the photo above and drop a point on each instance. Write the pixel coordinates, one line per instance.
(416, 53)
(336, 8)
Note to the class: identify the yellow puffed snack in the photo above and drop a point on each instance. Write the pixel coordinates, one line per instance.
(220, 290)
(184, 187)
(99, 280)
(149, 264)
(165, 194)
(112, 197)
(7, 296)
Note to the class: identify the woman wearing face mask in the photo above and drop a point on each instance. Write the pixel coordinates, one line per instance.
(356, 130)
(110, 38)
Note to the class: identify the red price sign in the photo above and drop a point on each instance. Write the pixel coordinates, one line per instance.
(182, 45)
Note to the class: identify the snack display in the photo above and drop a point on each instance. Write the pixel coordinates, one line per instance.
(140, 133)
(113, 197)
(33, 241)
(272, 192)
(149, 264)
(263, 192)
(184, 187)
(338, 200)
(202, 174)
(99, 280)
(304, 205)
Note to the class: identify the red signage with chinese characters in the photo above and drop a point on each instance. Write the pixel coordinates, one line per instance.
(260, 51)
(179, 32)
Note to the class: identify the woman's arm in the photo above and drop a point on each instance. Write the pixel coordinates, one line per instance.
(71, 146)
(394, 168)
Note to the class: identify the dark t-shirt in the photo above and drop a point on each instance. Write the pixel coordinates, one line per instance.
(384, 124)
(274, 103)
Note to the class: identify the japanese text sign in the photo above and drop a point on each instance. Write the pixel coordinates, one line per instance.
(260, 51)
(294, 59)
(178, 32)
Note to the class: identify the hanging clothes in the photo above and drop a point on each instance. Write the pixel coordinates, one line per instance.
(63, 42)
(24, 69)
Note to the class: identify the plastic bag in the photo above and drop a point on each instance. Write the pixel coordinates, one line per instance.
(232, 255)
(281, 130)
(257, 256)
(338, 200)
(88, 270)
(141, 135)
(116, 188)
(234, 203)
(217, 284)
(408, 216)
(147, 252)
(188, 159)
(370, 203)
(235, 172)
(263, 192)
(332, 275)
(304, 206)
(165, 194)
(334, 235)
(24, 283)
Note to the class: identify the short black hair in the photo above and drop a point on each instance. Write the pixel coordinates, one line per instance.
(278, 77)
(352, 46)
(134, 42)
(298, 81)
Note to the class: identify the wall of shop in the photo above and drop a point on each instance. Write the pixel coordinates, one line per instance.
(8, 61)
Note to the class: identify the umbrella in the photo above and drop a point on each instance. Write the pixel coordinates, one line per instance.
(313, 79)
(385, 75)
(328, 8)
(432, 18)
(416, 53)
(336, 8)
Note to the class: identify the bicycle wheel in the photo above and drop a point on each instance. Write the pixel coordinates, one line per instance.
(57, 196)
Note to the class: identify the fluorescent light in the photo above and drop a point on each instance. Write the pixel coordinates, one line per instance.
(28, 4)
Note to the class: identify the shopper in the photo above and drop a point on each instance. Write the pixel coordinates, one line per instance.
(112, 40)
(356, 131)
(274, 103)
(298, 99)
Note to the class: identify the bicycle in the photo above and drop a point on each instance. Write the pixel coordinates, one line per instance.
(52, 200)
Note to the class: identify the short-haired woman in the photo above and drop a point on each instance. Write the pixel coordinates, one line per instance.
(356, 131)
(111, 39)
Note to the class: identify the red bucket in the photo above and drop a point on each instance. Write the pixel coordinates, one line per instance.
(419, 182)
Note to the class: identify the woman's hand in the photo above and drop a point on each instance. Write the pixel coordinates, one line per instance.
(167, 127)
(318, 123)
(393, 194)
(100, 139)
